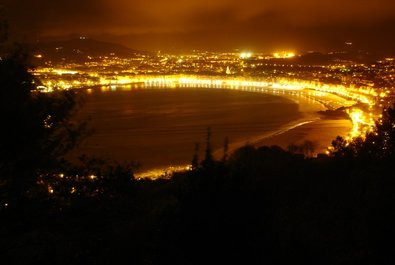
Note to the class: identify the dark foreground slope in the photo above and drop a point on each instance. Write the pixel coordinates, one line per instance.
(262, 206)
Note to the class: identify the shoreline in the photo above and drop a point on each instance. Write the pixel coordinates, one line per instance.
(320, 131)
(314, 127)
(255, 141)
(292, 132)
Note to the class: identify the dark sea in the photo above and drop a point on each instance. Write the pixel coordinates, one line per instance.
(161, 127)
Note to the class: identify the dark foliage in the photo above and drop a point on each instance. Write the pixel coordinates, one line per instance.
(377, 145)
(37, 130)
(262, 206)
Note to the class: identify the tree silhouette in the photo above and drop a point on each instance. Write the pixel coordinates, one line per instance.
(209, 155)
(195, 158)
(208, 159)
(226, 149)
(377, 144)
(383, 137)
(37, 130)
(306, 148)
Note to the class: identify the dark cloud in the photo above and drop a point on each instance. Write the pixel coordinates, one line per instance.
(223, 24)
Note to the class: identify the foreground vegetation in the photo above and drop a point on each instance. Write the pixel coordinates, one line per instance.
(262, 205)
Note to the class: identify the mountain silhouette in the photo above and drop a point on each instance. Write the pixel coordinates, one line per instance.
(81, 49)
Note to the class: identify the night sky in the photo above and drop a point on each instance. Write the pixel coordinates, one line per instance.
(225, 25)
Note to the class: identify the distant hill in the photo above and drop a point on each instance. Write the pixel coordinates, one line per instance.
(81, 49)
(337, 57)
(318, 58)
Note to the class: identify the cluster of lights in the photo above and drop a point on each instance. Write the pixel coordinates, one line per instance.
(284, 55)
(162, 172)
(366, 95)
(245, 55)
(362, 120)
(72, 190)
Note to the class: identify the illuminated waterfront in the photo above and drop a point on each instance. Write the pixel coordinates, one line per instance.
(159, 126)
(358, 97)
(345, 96)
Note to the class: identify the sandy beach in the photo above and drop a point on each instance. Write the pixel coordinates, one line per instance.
(321, 132)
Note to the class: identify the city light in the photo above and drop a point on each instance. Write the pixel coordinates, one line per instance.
(233, 71)
(164, 172)
(245, 55)
(284, 55)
